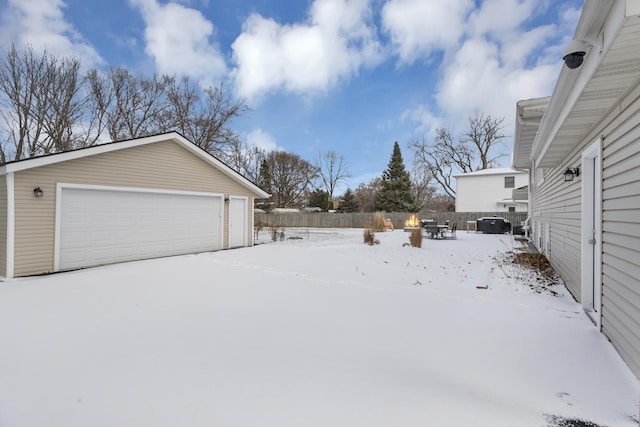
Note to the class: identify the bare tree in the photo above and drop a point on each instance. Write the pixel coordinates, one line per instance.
(252, 162)
(484, 133)
(97, 104)
(204, 116)
(25, 85)
(423, 189)
(366, 194)
(19, 73)
(129, 107)
(332, 171)
(46, 107)
(41, 103)
(439, 159)
(62, 104)
(446, 156)
(243, 159)
(138, 105)
(291, 177)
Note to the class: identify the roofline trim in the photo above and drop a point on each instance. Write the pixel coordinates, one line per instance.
(596, 16)
(64, 156)
(481, 172)
(121, 145)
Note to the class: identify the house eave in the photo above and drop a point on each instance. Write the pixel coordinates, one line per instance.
(529, 113)
(584, 96)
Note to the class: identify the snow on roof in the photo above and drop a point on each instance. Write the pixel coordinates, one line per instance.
(285, 210)
(492, 171)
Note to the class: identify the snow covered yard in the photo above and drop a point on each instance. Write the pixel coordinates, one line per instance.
(318, 331)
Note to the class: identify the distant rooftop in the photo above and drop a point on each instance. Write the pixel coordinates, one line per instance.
(492, 171)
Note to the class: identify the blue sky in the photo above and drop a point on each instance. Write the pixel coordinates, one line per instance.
(351, 76)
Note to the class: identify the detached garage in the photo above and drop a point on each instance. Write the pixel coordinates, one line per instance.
(144, 198)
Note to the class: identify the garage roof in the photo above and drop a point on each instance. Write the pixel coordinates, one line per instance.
(121, 145)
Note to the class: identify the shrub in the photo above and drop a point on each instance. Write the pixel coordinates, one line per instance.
(378, 221)
(416, 238)
(369, 236)
(257, 228)
(275, 234)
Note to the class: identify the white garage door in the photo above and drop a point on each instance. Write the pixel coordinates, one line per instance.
(103, 226)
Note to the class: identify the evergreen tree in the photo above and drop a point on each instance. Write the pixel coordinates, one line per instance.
(319, 199)
(264, 182)
(395, 193)
(348, 203)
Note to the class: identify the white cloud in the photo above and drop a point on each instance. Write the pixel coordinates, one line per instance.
(333, 45)
(419, 27)
(179, 40)
(476, 81)
(502, 60)
(570, 17)
(501, 17)
(426, 119)
(261, 139)
(519, 46)
(42, 25)
(493, 54)
(527, 47)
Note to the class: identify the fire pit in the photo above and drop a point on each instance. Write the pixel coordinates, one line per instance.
(412, 223)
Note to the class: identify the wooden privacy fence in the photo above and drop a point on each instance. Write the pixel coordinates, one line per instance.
(365, 220)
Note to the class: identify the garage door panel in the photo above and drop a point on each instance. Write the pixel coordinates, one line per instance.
(106, 226)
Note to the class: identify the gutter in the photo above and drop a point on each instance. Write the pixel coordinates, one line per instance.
(571, 82)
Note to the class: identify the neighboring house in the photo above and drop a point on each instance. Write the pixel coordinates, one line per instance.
(587, 222)
(490, 190)
(143, 198)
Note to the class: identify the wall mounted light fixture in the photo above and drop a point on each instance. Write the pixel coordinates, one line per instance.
(570, 173)
(226, 199)
(38, 192)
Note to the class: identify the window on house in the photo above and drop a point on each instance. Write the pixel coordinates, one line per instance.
(512, 208)
(509, 181)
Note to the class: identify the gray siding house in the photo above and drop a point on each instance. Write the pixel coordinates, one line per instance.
(581, 148)
(122, 201)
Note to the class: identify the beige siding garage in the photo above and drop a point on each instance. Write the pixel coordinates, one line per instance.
(166, 163)
(3, 225)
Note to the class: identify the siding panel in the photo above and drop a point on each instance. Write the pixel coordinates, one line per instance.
(559, 204)
(621, 234)
(620, 336)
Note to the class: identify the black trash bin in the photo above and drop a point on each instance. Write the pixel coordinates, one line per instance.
(493, 225)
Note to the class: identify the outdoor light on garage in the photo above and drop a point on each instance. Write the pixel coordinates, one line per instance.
(38, 192)
(226, 199)
(570, 173)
